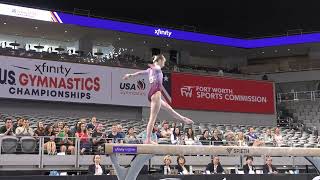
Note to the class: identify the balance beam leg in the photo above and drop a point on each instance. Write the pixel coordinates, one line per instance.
(133, 170)
(136, 165)
(121, 171)
(315, 161)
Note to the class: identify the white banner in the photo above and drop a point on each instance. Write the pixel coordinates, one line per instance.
(132, 92)
(54, 81)
(30, 13)
(22, 78)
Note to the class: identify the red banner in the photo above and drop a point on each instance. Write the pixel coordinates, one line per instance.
(222, 94)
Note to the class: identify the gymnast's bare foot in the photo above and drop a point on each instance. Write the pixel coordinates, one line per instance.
(187, 120)
(149, 142)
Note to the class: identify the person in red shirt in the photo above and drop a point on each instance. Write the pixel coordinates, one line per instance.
(83, 135)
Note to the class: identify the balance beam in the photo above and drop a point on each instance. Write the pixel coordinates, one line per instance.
(209, 150)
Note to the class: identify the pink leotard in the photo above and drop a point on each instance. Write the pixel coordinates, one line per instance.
(155, 78)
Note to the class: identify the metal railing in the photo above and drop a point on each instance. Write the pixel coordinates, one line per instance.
(298, 96)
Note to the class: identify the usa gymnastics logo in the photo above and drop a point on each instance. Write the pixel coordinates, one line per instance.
(133, 88)
(160, 32)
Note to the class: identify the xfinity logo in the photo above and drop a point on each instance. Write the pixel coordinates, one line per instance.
(44, 68)
(186, 91)
(162, 32)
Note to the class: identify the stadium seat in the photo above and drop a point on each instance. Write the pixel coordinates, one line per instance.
(9, 144)
(28, 144)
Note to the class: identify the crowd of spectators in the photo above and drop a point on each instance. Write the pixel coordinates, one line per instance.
(60, 138)
(186, 136)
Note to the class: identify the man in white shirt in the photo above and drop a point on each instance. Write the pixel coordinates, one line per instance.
(24, 130)
(165, 131)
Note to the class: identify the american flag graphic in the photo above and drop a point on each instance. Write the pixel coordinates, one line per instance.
(166, 91)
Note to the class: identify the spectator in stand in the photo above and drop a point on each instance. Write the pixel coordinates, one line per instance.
(84, 121)
(241, 140)
(91, 126)
(230, 139)
(268, 168)
(248, 168)
(166, 164)
(7, 129)
(114, 136)
(49, 140)
(156, 130)
(165, 131)
(205, 139)
(24, 130)
(176, 136)
(215, 166)
(76, 128)
(17, 124)
(122, 135)
(154, 136)
(83, 136)
(278, 139)
(57, 127)
(99, 139)
(182, 167)
(268, 136)
(190, 139)
(216, 140)
(96, 168)
(173, 126)
(40, 131)
(65, 141)
(131, 137)
(253, 138)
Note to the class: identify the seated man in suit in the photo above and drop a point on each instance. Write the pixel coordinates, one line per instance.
(248, 168)
(268, 168)
(215, 166)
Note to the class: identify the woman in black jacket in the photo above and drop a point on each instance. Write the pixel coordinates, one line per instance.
(96, 168)
(182, 167)
(268, 168)
(248, 168)
(166, 163)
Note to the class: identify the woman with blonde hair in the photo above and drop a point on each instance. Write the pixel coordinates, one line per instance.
(166, 165)
(154, 96)
(241, 140)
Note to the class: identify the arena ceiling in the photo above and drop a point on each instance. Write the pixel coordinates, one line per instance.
(244, 19)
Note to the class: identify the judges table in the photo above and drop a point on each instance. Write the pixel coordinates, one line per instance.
(176, 177)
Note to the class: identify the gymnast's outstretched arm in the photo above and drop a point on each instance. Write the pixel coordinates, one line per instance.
(143, 72)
